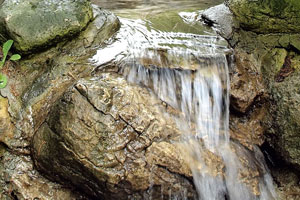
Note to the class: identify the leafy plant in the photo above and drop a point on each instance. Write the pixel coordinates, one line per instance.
(5, 49)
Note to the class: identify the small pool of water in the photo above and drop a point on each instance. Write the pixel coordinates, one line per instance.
(154, 27)
(144, 8)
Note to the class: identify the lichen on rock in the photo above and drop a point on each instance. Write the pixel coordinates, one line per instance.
(271, 16)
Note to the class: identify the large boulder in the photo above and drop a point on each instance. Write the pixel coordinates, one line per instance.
(270, 16)
(109, 139)
(34, 24)
(115, 140)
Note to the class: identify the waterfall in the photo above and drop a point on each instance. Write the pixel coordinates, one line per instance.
(189, 72)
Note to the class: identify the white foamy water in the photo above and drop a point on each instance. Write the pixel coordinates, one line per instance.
(190, 73)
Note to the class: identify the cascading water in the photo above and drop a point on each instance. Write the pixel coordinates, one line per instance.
(189, 72)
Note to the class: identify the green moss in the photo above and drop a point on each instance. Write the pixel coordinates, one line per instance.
(35, 24)
(269, 16)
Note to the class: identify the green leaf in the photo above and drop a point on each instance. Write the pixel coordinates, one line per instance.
(3, 81)
(6, 47)
(15, 57)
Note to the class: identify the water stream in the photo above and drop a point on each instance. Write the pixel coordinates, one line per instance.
(185, 65)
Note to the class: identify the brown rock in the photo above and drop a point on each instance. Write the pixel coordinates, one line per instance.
(249, 130)
(109, 138)
(19, 179)
(6, 127)
(246, 81)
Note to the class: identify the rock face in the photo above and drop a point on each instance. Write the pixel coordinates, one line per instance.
(109, 139)
(284, 84)
(246, 82)
(19, 180)
(47, 21)
(265, 95)
(96, 133)
(34, 86)
(271, 16)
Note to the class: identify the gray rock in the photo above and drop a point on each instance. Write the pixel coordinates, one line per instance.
(36, 24)
(220, 17)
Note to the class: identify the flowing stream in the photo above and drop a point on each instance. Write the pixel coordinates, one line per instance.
(185, 65)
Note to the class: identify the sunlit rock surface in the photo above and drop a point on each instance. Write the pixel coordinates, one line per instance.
(109, 139)
(36, 24)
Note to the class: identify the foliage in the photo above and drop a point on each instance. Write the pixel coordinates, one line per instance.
(5, 49)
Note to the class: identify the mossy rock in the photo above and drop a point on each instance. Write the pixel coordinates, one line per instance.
(284, 130)
(268, 16)
(36, 24)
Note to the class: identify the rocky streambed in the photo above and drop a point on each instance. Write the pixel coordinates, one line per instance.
(73, 129)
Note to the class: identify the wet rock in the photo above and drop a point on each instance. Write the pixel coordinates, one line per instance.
(221, 18)
(271, 16)
(246, 81)
(39, 81)
(110, 140)
(36, 24)
(249, 129)
(19, 180)
(34, 86)
(121, 146)
(272, 116)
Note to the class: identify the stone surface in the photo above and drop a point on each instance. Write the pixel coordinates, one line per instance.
(34, 85)
(110, 140)
(122, 145)
(246, 81)
(7, 128)
(37, 82)
(221, 18)
(19, 180)
(285, 107)
(271, 16)
(249, 129)
(36, 24)
(275, 115)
